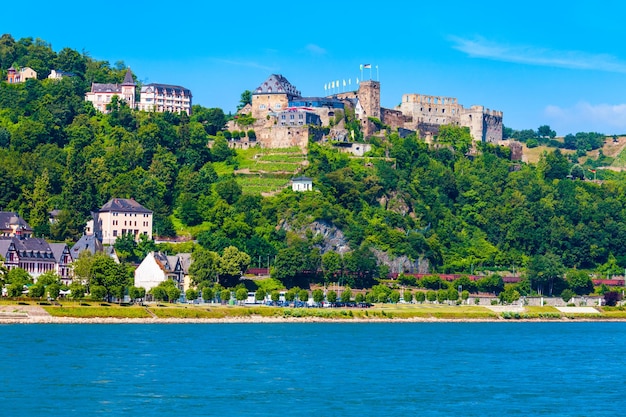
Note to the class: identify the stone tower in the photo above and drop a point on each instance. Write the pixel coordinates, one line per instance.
(369, 105)
(128, 89)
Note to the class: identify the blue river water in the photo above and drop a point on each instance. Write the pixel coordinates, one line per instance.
(320, 369)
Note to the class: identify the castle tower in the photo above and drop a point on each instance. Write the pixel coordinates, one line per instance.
(128, 89)
(369, 105)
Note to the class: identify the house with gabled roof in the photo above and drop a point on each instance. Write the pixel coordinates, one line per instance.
(11, 224)
(121, 216)
(15, 76)
(157, 267)
(36, 256)
(101, 94)
(302, 183)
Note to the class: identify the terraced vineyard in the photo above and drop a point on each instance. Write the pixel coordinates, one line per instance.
(264, 171)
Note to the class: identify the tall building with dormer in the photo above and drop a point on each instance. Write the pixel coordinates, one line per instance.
(100, 94)
(121, 216)
(164, 97)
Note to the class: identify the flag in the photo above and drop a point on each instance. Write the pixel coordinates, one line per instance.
(361, 67)
(325, 87)
(337, 83)
(357, 80)
(344, 83)
(367, 66)
(349, 81)
(593, 170)
(333, 84)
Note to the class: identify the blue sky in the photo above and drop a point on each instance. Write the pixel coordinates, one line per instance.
(556, 63)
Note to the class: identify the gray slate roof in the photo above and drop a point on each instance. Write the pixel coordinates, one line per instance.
(128, 78)
(277, 84)
(86, 243)
(124, 205)
(57, 250)
(167, 89)
(8, 217)
(31, 248)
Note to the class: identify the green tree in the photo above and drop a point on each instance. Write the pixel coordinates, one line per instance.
(241, 295)
(318, 296)
(225, 296)
(53, 290)
(136, 293)
(204, 267)
(567, 295)
(331, 296)
(458, 137)
(232, 265)
(346, 295)
(260, 294)
(394, 297)
(543, 271)
(77, 290)
(331, 265)
(246, 98)
(579, 282)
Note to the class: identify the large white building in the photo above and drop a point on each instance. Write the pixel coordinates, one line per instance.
(120, 216)
(163, 97)
(100, 95)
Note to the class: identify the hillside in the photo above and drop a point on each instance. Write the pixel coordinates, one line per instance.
(413, 207)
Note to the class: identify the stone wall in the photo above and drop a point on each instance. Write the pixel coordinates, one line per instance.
(262, 104)
(283, 137)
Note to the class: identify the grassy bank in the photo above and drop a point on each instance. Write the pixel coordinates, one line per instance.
(379, 311)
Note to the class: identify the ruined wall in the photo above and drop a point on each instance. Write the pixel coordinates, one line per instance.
(422, 112)
(485, 125)
(419, 108)
(283, 137)
(394, 118)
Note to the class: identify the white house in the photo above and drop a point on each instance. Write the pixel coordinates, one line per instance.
(302, 184)
(120, 216)
(158, 267)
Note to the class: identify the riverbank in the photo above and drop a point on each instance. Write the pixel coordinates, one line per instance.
(23, 313)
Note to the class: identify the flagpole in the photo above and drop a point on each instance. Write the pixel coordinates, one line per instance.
(377, 78)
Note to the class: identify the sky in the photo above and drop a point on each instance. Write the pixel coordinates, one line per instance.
(557, 63)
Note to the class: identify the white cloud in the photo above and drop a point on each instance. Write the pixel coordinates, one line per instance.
(583, 117)
(315, 49)
(532, 55)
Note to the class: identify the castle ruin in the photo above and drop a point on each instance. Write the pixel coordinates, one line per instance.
(285, 118)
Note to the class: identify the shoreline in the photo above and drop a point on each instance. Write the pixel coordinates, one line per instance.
(32, 314)
(280, 320)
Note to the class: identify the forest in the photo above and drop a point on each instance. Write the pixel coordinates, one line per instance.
(433, 204)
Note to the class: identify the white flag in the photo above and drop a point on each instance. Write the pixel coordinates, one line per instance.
(349, 81)
(344, 83)
(357, 80)
(325, 87)
(333, 85)
(337, 83)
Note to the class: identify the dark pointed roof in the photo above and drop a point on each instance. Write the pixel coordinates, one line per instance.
(128, 78)
(277, 84)
(7, 218)
(86, 243)
(124, 205)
